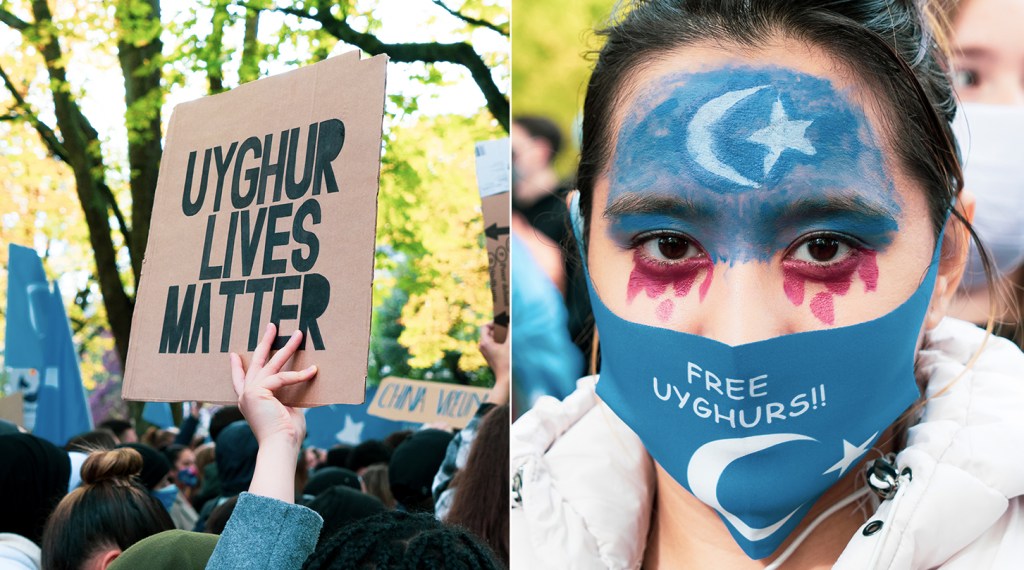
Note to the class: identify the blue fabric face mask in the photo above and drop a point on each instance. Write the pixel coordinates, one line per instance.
(759, 431)
(188, 477)
(166, 496)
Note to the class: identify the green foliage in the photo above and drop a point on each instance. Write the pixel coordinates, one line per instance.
(551, 67)
(429, 216)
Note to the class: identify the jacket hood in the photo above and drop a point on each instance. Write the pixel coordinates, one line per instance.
(236, 457)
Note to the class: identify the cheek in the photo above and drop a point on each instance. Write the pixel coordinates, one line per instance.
(835, 282)
(656, 279)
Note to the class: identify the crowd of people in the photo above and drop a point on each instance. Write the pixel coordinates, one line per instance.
(249, 494)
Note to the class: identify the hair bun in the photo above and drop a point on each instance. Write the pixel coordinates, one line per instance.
(112, 465)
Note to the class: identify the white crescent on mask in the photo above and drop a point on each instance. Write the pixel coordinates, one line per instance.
(700, 139)
(711, 459)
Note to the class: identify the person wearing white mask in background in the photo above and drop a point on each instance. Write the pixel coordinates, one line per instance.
(988, 73)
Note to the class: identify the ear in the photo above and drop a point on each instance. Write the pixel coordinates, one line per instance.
(107, 558)
(956, 243)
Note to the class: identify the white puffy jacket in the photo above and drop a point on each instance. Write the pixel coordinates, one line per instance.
(583, 483)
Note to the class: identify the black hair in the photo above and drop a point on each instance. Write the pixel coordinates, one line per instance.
(110, 510)
(395, 539)
(222, 418)
(116, 425)
(173, 451)
(368, 453)
(219, 516)
(337, 456)
(94, 440)
(542, 128)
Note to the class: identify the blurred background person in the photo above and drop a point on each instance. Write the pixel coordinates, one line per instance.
(34, 477)
(988, 73)
(549, 298)
(123, 430)
(108, 513)
(480, 501)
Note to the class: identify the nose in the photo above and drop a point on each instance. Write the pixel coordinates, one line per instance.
(740, 307)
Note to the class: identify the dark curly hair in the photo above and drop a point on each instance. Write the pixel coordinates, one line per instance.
(395, 539)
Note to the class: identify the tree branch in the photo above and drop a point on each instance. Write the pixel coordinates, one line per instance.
(12, 20)
(57, 149)
(503, 30)
(45, 132)
(434, 52)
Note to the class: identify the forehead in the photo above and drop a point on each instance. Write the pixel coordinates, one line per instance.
(993, 25)
(737, 129)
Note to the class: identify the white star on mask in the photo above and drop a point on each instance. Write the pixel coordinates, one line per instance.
(780, 135)
(352, 433)
(850, 455)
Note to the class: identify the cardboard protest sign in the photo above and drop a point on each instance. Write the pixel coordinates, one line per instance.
(265, 211)
(426, 402)
(493, 162)
(12, 409)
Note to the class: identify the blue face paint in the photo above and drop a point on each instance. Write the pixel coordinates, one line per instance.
(746, 160)
(759, 431)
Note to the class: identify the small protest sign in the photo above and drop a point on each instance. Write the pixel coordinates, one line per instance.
(427, 402)
(12, 409)
(493, 179)
(265, 211)
(327, 426)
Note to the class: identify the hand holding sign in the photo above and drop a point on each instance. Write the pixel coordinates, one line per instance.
(279, 429)
(497, 356)
(269, 418)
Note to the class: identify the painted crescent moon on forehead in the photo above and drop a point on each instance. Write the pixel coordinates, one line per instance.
(711, 459)
(700, 139)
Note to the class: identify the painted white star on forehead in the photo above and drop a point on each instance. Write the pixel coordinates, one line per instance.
(780, 135)
(850, 455)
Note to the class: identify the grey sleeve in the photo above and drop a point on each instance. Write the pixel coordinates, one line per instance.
(265, 533)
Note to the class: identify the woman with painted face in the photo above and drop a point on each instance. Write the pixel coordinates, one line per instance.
(988, 72)
(770, 212)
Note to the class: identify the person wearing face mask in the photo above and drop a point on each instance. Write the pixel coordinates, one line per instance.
(156, 476)
(184, 473)
(771, 216)
(988, 72)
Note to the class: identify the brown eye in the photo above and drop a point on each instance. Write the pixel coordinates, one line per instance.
(673, 247)
(822, 250)
(670, 248)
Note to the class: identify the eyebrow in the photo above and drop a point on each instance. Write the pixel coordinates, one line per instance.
(837, 205)
(974, 52)
(632, 203)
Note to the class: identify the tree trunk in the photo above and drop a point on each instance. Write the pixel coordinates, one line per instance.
(250, 68)
(82, 144)
(138, 50)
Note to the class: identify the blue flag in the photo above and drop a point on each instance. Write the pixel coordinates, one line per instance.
(28, 296)
(39, 338)
(348, 424)
(158, 414)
